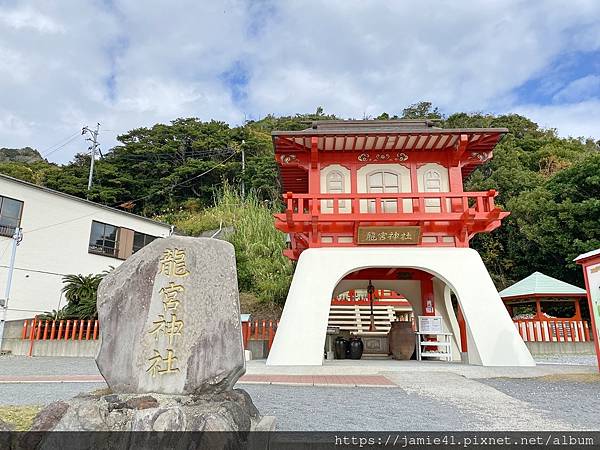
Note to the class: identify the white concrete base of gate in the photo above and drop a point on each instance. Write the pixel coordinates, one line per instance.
(491, 335)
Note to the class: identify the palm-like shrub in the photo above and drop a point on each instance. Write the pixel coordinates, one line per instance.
(81, 292)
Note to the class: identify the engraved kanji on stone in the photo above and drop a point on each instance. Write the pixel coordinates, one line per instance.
(169, 328)
(172, 263)
(160, 365)
(169, 296)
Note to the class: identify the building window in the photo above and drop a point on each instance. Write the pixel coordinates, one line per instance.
(10, 215)
(335, 182)
(384, 182)
(140, 240)
(104, 239)
(432, 181)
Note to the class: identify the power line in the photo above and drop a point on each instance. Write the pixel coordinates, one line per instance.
(170, 156)
(59, 142)
(25, 269)
(137, 199)
(60, 146)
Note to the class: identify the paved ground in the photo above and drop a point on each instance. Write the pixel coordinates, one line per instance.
(421, 397)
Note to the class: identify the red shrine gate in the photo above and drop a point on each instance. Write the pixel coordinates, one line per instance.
(384, 201)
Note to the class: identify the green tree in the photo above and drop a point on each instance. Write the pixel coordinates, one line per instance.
(81, 293)
(421, 110)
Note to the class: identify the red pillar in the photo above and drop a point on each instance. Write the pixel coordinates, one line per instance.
(538, 309)
(314, 187)
(462, 326)
(427, 300)
(585, 263)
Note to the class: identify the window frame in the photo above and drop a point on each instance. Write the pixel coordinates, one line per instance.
(387, 206)
(103, 252)
(133, 249)
(4, 229)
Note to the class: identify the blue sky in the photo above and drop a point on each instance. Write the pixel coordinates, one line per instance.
(65, 64)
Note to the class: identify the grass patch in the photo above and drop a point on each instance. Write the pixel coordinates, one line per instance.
(20, 417)
(573, 377)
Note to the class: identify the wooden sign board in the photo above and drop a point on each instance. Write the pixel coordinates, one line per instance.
(430, 324)
(389, 235)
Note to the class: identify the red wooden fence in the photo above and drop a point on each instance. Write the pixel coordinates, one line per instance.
(259, 330)
(53, 330)
(553, 330)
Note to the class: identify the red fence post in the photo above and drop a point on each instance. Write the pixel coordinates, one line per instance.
(573, 331)
(89, 330)
(24, 332)
(38, 331)
(271, 334)
(586, 329)
(45, 330)
(60, 329)
(95, 329)
(74, 334)
(67, 329)
(245, 335)
(31, 334)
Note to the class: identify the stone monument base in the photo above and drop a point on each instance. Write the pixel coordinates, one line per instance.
(225, 411)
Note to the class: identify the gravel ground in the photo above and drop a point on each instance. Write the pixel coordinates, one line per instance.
(51, 365)
(422, 401)
(583, 359)
(574, 400)
(42, 393)
(307, 408)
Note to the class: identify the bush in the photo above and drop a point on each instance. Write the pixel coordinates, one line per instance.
(262, 268)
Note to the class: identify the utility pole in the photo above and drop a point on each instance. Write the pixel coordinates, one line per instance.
(94, 140)
(17, 238)
(243, 170)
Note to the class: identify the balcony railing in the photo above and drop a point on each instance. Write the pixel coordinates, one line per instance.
(403, 206)
(7, 231)
(103, 250)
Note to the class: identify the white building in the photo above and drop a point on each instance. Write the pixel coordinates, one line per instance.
(62, 234)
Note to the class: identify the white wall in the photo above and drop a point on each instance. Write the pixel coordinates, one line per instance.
(492, 337)
(56, 232)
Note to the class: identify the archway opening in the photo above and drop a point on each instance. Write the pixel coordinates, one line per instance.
(373, 303)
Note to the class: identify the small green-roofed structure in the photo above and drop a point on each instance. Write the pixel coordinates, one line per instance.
(538, 284)
(541, 297)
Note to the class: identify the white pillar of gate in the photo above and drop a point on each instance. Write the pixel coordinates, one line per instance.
(300, 338)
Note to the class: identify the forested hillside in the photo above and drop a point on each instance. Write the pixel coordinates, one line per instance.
(178, 172)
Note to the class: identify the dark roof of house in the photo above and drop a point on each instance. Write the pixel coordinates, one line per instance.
(81, 200)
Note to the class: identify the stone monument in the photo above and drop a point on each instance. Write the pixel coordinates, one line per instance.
(171, 347)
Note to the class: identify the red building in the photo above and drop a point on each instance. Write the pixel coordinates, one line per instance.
(381, 195)
(339, 176)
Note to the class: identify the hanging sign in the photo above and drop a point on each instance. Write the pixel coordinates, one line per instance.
(389, 235)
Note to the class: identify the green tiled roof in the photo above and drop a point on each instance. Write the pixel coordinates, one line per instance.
(538, 283)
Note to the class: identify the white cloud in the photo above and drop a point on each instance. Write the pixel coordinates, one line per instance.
(579, 89)
(575, 119)
(29, 18)
(64, 65)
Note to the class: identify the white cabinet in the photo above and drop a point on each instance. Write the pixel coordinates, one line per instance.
(432, 341)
